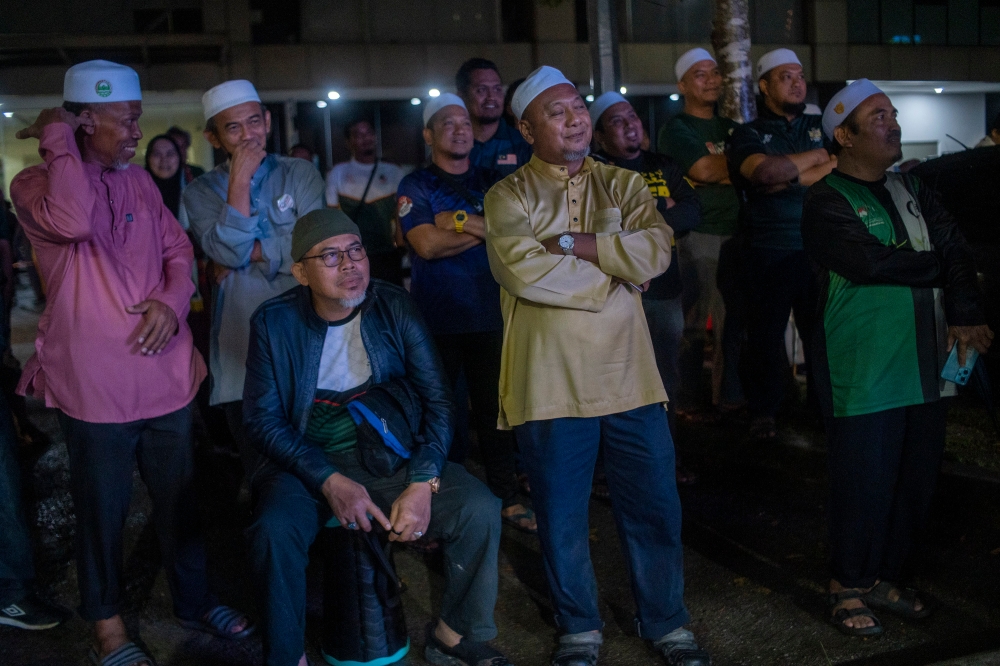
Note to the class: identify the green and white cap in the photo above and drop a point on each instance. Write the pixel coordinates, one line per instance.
(97, 81)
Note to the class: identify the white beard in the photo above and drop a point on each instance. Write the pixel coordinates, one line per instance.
(572, 156)
(353, 302)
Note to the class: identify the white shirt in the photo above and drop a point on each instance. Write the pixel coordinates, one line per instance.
(344, 364)
(348, 179)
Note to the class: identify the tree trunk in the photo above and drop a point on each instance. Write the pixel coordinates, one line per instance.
(731, 40)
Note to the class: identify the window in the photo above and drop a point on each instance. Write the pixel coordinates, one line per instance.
(924, 22)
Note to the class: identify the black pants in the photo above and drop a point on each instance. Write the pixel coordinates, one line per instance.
(102, 457)
(778, 285)
(478, 354)
(883, 469)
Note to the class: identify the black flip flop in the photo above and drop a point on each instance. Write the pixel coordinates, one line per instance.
(878, 597)
(838, 616)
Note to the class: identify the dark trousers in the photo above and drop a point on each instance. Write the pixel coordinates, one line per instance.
(102, 457)
(559, 455)
(287, 518)
(883, 470)
(249, 455)
(478, 354)
(778, 285)
(17, 570)
(731, 282)
(665, 319)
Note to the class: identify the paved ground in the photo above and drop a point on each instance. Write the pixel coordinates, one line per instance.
(755, 566)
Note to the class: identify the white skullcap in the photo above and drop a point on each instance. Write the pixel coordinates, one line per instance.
(227, 95)
(439, 102)
(845, 101)
(537, 82)
(97, 81)
(688, 59)
(772, 59)
(602, 103)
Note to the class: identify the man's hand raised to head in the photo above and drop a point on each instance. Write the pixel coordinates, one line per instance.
(977, 337)
(50, 117)
(159, 323)
(351, 503)
(411, 513)
(246, 160)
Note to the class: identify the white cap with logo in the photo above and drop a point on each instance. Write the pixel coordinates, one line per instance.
(688, 59)
(538, 81)
(774, 58)
(97, 81)
(227, 95)
(603, 103)
(439, 102)
(845, 101)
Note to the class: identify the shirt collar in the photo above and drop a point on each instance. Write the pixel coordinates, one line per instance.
(556, 171)
(764, 112)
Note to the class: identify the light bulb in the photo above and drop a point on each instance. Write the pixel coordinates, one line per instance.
(333, 94)
(415, 101)
(434, 92)
(589, 98)
(674, 97)
(321, 104)
(622, 90)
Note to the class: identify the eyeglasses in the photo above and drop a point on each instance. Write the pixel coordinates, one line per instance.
(335, 258)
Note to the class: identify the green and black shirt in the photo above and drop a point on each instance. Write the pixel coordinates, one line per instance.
(894, 272)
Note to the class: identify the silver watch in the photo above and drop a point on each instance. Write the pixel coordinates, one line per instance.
(567, 242)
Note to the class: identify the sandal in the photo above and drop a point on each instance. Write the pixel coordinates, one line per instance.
(838, 615)
(129, 654)
(220, 622)
(762, 429)
(878, 597)
(515, 520)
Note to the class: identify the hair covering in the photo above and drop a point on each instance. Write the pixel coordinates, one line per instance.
(602, 103)
(318, 225)
(772, 59)
(534, 85)
(688, 59)
(846, 100)
(97, 81)
(170, 188)
(438, 103)
(227, 95)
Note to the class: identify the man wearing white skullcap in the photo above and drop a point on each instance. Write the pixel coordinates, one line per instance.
(242, 214)
(440, 211)
(898, 288)
(773, 159)
(115, 354)
(573, 243)
(696, 139)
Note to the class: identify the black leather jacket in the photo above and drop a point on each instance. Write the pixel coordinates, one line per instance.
(286, 343)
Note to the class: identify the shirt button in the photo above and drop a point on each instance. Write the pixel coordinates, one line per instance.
(574, 200)
(575, 219)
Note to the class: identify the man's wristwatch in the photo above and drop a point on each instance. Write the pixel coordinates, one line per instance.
(460, 217)
(567, 243)
(435, 484)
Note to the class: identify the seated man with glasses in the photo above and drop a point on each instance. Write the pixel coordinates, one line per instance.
(316, 352)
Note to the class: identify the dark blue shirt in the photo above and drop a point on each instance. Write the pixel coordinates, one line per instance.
(773, 221)
(505, 152)
(454, 294)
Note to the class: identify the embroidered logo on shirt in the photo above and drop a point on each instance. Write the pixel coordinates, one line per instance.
(715, 147)
(128, 217)
(863, 212)
(403, 206)
(285, 202)
(766, 139)
(103, 88)
(816, 134)
(507, 159)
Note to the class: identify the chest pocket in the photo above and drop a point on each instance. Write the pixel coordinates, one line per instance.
(283, 220)
(608, 220)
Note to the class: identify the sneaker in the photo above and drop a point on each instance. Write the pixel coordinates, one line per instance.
(578, 649)
(679, 648)
(33, 613)
(466, 653)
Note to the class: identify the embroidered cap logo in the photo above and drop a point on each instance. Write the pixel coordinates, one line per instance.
(103, 88)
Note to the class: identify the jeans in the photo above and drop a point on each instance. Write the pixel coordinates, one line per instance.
(478, 354)
(699, 257)
(779, 285)
(559, 455)
(883, 470)
(665, 319)
(287, 519)
(17, 570)
(102, 457)
(732, 285)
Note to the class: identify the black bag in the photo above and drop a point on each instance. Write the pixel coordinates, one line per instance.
(362, 612)
(388, 417)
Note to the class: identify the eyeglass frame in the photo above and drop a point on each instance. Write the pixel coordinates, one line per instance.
(342, 253)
